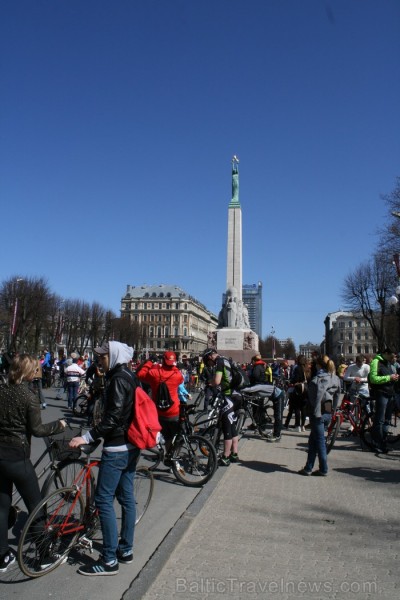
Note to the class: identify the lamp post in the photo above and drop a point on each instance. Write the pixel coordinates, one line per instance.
(394, 300)
(273, 342)
(13, 321)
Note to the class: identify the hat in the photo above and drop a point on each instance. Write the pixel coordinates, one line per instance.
(209, 352)
(169, 358)
(103, 349)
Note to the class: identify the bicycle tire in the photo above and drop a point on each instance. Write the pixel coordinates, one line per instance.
(215, 436)
(64, 474)
(98, 411)
(194, 460)
(80, 405)
(241, 418)
(143, 487)
(332, 433)
(152, 455)
(47, 541)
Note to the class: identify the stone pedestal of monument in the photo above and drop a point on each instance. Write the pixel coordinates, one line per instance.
(239, 344)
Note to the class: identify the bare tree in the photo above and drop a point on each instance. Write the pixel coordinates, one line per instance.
(366, 292)
(390, 232)
(270, 347)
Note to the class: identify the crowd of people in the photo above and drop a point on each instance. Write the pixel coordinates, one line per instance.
(313, 388)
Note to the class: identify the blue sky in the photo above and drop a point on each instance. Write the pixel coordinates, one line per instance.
(119, 119)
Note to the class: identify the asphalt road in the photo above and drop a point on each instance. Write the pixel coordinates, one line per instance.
(170, 501)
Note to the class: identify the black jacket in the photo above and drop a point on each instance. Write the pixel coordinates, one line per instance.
(257, 374)
(21, 418)
(120, 384)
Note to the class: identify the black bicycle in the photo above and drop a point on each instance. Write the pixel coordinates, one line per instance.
(192, 457)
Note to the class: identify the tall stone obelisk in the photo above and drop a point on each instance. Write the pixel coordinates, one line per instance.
(234, 337)
(234, 253)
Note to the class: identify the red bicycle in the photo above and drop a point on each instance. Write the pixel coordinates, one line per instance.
(68, 519)
(355, 410)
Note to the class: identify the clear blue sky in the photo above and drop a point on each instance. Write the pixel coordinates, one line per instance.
(119, 118)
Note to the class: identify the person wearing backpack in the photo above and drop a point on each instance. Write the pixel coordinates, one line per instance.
(118, 460)
(222, 384)
(166, 377)
(323, 394)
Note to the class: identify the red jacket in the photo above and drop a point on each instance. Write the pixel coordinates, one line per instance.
(154, 374)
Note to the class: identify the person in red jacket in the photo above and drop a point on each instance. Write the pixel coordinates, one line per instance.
(168, 372)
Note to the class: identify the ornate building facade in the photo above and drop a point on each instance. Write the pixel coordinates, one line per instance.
(168, 318)
(348, 334)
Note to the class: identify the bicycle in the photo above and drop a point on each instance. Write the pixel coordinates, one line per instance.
(61, 467)
(68, 519)
(355, 410)
(192, 457)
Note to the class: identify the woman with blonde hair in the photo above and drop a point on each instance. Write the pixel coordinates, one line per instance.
(323, 396)
(20, 418)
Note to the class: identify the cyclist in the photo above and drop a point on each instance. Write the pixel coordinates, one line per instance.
(382, 380)
(118, 460)
(231, 403)
(356, 376)
(154, 374)
(20, 418)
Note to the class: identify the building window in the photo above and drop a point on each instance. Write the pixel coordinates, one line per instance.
(168, 306)
(176, 332)
(185, 331)
(166, 332)
(350, 335)
(350, 349)
(151, 332)
(136, 318)
(185, 318)
(366, 349)
(159, 332)
(159, 318)
(358, 349)
(350, 323)
(185, 306)
(341, 336)
(144, 317)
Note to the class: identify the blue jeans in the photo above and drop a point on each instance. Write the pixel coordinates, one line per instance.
(383, 415)
(115, 480)
(73, 387)
(316, 444)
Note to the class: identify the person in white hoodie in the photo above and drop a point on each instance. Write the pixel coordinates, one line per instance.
(118, 460)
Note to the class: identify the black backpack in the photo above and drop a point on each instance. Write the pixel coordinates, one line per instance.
(240, 378)
(163, 399)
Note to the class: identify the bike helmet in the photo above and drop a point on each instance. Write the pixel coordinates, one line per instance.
(207, 354)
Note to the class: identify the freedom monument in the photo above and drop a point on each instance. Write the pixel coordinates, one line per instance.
(233, 337)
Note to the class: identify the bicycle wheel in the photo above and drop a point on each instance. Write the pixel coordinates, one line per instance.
(50, 532)
(194, 460)
(152, 457)
(215, 436)
(241, 417)
(80, 405)
(332, 432)
(143, 487)
(64, 474)
(98, 411)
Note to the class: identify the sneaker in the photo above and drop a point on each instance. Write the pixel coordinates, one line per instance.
(99, 568)
(319, 474)
(48, 561)
(44, 405)
(303, 428)
(6, 561)
(299, 429)
(224, 461)
(304, 472)
(274, 438)
(234, 458)
(125, 558)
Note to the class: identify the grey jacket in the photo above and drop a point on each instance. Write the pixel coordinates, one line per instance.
(323, 386)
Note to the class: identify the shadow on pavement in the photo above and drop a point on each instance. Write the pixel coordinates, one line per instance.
(264, 467)
(371, 474)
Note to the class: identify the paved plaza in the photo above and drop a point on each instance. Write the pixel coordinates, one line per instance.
(267, 532)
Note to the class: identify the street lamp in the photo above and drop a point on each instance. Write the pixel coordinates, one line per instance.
(13, 323)
(273, 342)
